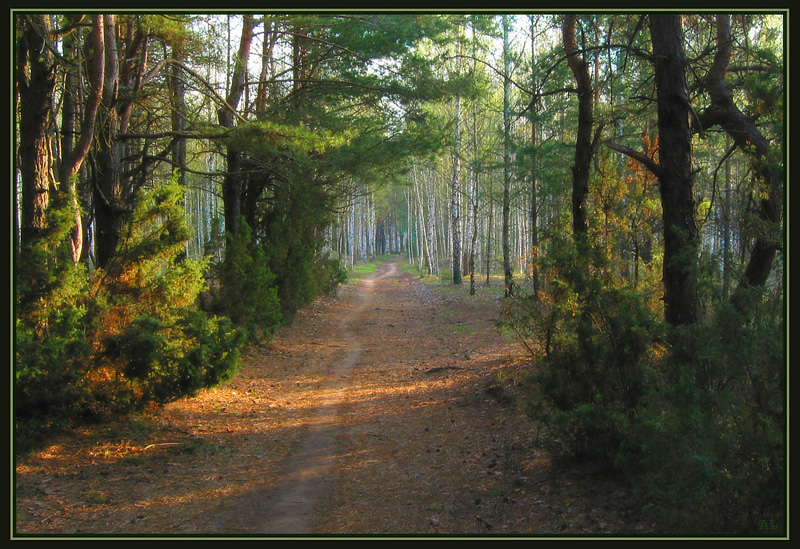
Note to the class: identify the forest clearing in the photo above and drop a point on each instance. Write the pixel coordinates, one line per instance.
(401, 273)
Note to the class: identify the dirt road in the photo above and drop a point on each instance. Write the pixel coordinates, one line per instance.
(291, 507)
(390, 409)
(379, 414)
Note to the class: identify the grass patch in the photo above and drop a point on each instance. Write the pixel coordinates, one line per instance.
(199, 445)
(362, 270)
(96, 497)
(133, 460)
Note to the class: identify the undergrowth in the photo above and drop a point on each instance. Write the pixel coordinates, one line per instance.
(693, 418)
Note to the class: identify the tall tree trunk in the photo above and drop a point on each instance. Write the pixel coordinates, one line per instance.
(489, 227)
(233, 184)
(507, 273)
(36, 87)
(74, 153)
(534, 205)
(114, 190)
(69, 100)
(726, 228)
(424, 238)
(268, 45)
(474, 240)
(724, 113)
(179, 115)
(298, 63)
(455, 198)
(583, 142)
(681, 306)
(110, 197)
(475, 186)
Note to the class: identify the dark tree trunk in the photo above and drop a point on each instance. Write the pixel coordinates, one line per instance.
(111, 197)
(681, 305)
(534, 209)
(583, 142)
(36, 86)
(299, 75)
(489, 225)
(270, 38)
(507, 274)
(73, 153)
(232, 192)
(724, 113)
(179, 116)
(234, 184)
(455, 198)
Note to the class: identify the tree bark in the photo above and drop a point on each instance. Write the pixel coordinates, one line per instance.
(724, 113)
(36, 87)
(110, 196)
(233, 184)
(455, 196)
(507, 273)
(534, 206)
(270, 38)
(583, 142)
(681, 306)
(73, 154)
(474, 171)
(179, 115)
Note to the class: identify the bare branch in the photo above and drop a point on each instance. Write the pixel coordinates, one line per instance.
(640, 157)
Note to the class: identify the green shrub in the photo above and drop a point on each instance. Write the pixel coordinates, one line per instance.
(51, 347)
(163, 361)
(708, 451)
(290, 233)
(693, 417)
(597, 352)
(328, 275)
(49, 368)
(248, 294)
(126, 339)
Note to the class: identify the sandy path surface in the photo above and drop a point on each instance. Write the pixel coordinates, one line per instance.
(396, 407)
(307, 474)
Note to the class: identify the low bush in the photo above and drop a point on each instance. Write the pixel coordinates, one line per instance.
(248, 292)
(126, 338)
(693, 418)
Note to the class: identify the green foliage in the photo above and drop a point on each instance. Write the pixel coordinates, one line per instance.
(51, 347)
(597, 354)
(164, 360)
(248, 294)
(328, 275)
(292, 242)
(708, 451)
(267, 138)
(49, 367)
(693, 417)
(131, 338)
(46, 277)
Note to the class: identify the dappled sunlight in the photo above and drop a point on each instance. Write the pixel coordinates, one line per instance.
(381, 387)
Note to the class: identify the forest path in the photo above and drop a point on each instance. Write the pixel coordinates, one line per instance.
(306, 475)
(385, 432)
(396, 407)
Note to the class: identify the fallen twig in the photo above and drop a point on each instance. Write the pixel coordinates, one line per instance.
(161, 444)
